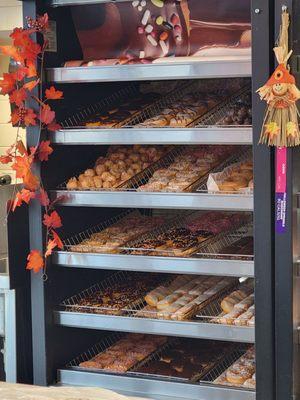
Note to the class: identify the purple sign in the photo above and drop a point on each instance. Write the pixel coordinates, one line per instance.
(280, 196)
(280, 212)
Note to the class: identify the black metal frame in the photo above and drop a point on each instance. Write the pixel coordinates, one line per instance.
(287, 252)
(262, 38)
(47, 354)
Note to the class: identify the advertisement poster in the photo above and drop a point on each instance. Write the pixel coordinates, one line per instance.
(157, 30)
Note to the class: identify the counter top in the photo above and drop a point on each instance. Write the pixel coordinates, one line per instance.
(26, 392)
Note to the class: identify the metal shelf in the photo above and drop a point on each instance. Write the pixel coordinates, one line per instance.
(175, 265)
(215, 135)
(60, 3)
(190, 201)
(209, 67)
(157, 327)
(153, 387)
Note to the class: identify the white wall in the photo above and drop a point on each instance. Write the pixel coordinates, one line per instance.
(10, 17)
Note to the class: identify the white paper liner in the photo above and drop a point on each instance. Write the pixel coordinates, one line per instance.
(215, 179)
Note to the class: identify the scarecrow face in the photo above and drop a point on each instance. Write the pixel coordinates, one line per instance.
(280, 89)
(280, 81)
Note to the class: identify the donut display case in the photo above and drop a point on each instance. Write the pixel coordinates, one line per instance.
(166, 283)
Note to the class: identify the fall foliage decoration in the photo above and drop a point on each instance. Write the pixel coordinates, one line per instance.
(19, 86)
(280, 126)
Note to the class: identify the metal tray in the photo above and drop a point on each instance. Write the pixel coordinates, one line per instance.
(185, 68)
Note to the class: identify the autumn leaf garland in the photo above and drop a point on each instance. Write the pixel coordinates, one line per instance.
(19, 86)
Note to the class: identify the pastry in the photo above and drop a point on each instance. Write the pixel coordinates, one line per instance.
(125, 353)
(183, 296)
(241, 372)
(118, 166)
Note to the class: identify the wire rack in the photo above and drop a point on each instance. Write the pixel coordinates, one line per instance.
(77, 119)
(93, 351)
(216, 114)
(198, 184)
(78, 302)
(216, 246)
(196, 377)
(86, 234)
(142, 310)
(213, 310)
(104, 345)
(157, 108)
(136, 247)
(214, 370)
(115, 100)
(227, 361)
(240, 155)
(220, 372)
(134, 182)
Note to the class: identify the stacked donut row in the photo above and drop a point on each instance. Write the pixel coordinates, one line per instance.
(119, 165)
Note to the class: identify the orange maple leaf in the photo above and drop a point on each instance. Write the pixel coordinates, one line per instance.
(20, 36)
(54, 126)
(57, 240)
(35, 261)
(21, 147)
(30, 51)
(53, 94)
(8, 84)
(44, 150)
(50, 246)
(28, 117)
(6, 159)
(20, 73)
(32, 72)
(21, 165)
(43, 198)
(47, 115)
(52, 221)
(13, 52)
(18, 97)
(31, 181)
(23, 196)
(31, 85)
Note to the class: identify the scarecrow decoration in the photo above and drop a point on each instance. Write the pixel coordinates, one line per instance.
(280, 126)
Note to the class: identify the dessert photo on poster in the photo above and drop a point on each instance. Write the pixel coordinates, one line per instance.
(149, 31)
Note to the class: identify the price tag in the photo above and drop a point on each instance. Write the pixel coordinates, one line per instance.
(280, 195)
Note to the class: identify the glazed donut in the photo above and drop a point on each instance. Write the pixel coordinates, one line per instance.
(144, 158)
(121, 164)
(134, 157)
(130, 172)
(145, 165)
(87, 182)
(116, 173)
(125, 176)
(100, 169)
(108, 177)
(81, 177)
(89, 172)
(72, 184)
(100, 160)
(136, 166)
(107, 185)
(97, 182)
(108, 164)
(118, 156)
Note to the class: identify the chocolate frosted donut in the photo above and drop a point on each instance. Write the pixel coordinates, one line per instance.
(151, 29)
